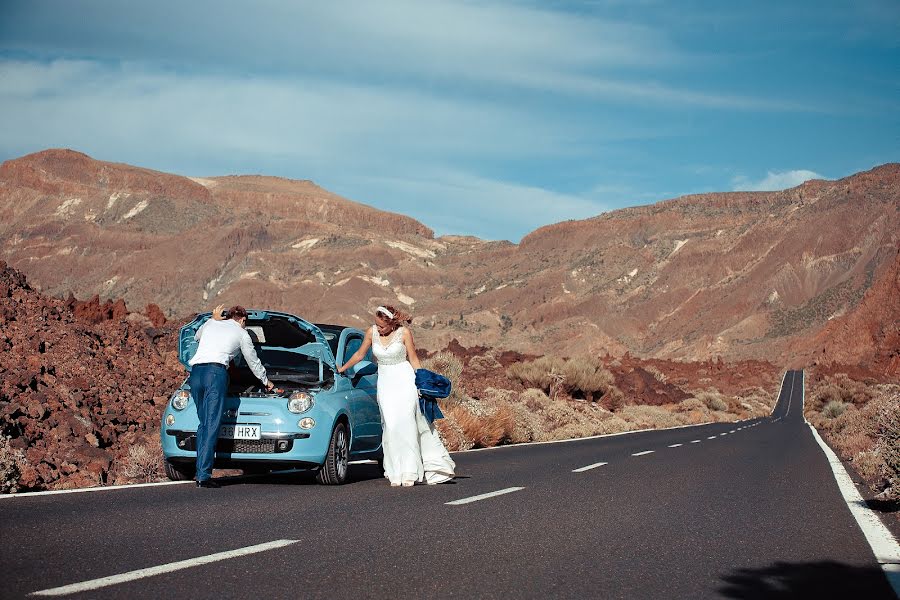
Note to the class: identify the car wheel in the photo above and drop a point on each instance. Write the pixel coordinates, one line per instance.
(336, 468)
(179, 472)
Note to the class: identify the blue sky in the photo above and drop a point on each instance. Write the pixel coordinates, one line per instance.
(482, 118)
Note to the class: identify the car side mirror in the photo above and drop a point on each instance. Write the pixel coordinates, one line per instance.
(362, 369)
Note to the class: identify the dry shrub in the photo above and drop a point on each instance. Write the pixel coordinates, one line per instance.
(839, 388)
(649, 417)
(542, 373)
(527, 426)
(888, 430)
(143, 463)
(584, 377)
(450, 431)
(613, 425)
(448, 365)
(613, 399)
(868, 463)
(834, 409)
(578, 377)
(690, 404)
(536, 400)
(10, 470)
(484, 431)
(712, 398)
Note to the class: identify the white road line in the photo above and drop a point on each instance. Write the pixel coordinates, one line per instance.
(589, 467)
(721, 434)
(732, 431)
(94, 584)
(104, 488)
(712, 437)
(643, 453)
(484, 496)
(884, 546)
(695, 441)
(676, 445)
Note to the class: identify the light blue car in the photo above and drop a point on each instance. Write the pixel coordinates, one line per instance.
(322, 420)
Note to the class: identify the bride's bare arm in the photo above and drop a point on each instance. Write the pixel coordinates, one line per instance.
(410, 344)
(359, 354)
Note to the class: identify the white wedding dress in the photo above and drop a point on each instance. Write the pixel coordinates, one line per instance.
(412, 449)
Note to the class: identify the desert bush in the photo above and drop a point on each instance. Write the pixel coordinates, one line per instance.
(535, 399)
(527, 426)
(712, 398)
(584, 377)
(578, 376)
(542, 373)
(143, 463)
(10, 471)
(888, 445)
(834, 409)
(690, 404)
(451, 432)
(649, 417)
(448, 365)
(869, 464)
(613, 399)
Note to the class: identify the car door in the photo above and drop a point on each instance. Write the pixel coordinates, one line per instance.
(363, 403)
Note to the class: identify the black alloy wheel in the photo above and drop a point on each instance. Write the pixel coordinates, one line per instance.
(336, 469)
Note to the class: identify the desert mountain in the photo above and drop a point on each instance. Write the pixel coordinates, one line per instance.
(807, 274)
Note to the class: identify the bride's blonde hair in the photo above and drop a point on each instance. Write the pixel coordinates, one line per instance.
(394, 317)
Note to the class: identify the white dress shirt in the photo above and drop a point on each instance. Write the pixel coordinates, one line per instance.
(220, 341)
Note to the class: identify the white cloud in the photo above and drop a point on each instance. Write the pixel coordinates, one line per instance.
(774, 181)
(468, 204)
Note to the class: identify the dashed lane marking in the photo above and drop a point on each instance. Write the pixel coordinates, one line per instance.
(589, 467)
(695, 441)
(94, 584)
(643, 453)
(484, 496)
(712, 437)
(676, 445)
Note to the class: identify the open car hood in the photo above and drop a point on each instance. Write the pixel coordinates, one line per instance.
(305, 338)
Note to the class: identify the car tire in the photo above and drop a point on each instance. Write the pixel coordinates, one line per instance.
(179, 472)
(336, 470)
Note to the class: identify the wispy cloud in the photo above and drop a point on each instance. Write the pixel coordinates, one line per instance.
(774, 181)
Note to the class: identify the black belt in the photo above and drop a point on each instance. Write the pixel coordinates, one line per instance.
(220, 365)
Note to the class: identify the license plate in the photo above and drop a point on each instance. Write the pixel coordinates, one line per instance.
(240, 432)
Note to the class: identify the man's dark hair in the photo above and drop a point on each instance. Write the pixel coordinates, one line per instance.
(237, 312)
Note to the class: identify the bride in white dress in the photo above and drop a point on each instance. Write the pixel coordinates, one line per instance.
(413, 452)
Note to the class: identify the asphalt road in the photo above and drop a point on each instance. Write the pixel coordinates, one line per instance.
(747, 510)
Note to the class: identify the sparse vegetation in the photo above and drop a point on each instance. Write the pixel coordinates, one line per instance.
(712, 399)
(862, 423)
(143, 464)
(834, 409)
(10, 459)
(578, 377)
(448, 365)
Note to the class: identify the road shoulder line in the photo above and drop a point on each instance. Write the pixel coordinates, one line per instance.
(102, 582)
(881, 540)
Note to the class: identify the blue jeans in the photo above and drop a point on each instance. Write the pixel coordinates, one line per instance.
(208, 386)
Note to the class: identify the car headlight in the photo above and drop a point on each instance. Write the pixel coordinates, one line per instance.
(300, 402)
(180, 399)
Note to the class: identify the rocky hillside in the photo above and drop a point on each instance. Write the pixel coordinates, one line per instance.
(81, 384)
(794, 276)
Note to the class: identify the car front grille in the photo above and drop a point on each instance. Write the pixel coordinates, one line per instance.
(246, 446)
